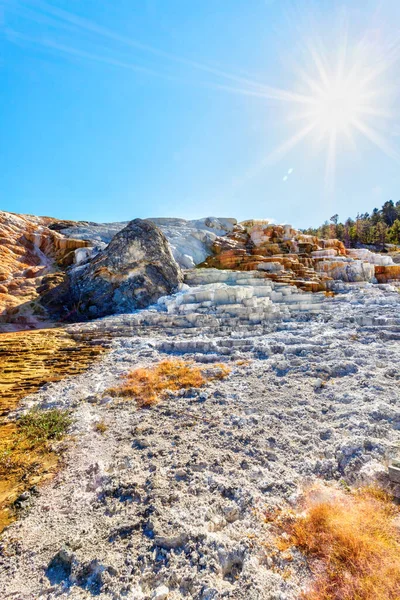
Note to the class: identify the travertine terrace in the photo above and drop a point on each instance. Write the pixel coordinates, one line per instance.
(168, 502)
(43, 261)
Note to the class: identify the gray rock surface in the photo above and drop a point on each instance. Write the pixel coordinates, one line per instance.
(133, 271)
(190, 241)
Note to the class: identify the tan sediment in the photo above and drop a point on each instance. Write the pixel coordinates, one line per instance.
(28, 360)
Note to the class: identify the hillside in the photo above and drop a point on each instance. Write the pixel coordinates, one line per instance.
(235, 366)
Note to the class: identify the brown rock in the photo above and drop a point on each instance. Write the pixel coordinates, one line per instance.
(387, 274)
(29, 250)
(283, 254)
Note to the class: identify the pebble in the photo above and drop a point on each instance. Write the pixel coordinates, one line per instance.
(160, 593)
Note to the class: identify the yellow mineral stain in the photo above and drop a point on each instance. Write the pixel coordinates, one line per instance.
(28, 360)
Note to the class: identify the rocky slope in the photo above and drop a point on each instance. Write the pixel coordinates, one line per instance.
(53, 269)
(29, 249)
(281, 252)
(28, 361)
(191, 241)
(42, 262)
(289, 256)
(168, 502)
(134, 270)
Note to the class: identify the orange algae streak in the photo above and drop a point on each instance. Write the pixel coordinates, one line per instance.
(28, 360)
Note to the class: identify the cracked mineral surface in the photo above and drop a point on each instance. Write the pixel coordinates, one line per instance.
(167, 502)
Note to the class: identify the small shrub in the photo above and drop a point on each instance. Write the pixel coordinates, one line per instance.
(26, 454)
(101, 427)
(41, 427)
(219, 371)
(31, 440)
(351, 541)
(148, 385)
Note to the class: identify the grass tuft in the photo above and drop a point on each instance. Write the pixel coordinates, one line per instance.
(32, 437)
(351, 540)
(27, 456)
(148, 385)
(42, 427)
(100, 427)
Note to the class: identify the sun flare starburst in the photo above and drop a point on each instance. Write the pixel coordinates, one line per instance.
(337, 107)
(343, 87)
(341, 98)
(342, 93)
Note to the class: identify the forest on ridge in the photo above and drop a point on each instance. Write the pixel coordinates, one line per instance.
(380, 227)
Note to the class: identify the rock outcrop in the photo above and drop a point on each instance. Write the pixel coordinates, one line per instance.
(53, 269)
(133, 271)
(190, 241)
(388, 273)
(211, 302)
(289, 256)
(29, 249)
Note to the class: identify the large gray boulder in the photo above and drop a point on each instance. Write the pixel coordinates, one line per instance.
(191, 241)
(133, 271)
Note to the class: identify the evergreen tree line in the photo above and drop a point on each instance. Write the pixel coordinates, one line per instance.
(380, 227)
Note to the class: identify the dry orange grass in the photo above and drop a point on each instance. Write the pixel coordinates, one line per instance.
(148, 385)
(352, 542)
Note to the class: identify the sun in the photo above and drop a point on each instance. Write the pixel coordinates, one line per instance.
(339, 94)
(346, 94)
(336, 108)
(342, 99)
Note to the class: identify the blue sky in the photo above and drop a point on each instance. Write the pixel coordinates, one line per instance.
(111, 110)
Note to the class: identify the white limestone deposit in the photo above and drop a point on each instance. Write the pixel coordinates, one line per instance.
(372, 257)
(345, 268)
(168, 502)
(190, 241)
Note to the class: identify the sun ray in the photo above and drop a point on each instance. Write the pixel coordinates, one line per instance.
(275, 155)
(78, 53)
(330, 167)
(342, 55)
(319, 63)
(269, 93)
(375, 112)
(348, 133)
(289, 144)
(313, 84)
(374, 136)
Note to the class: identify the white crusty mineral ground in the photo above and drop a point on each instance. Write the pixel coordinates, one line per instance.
(167, 503)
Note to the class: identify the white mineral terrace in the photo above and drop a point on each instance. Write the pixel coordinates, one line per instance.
(217, 300)
(169, 501)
